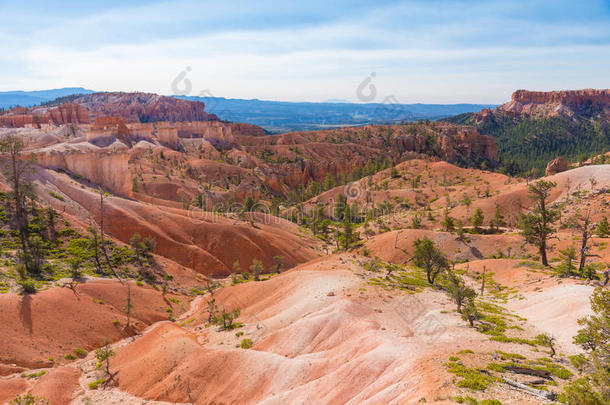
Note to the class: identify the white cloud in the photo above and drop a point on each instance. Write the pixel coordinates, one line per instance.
(433, 51)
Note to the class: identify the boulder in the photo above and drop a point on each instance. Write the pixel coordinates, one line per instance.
(556, 165)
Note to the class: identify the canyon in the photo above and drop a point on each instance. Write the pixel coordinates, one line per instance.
(215, 263)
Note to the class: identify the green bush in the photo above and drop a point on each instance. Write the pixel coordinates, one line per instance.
(471, 378)
(246, 343)
(95, 384)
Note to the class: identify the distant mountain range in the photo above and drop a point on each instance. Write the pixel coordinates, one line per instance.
(284, 116)
(10, 99)
(281, 116)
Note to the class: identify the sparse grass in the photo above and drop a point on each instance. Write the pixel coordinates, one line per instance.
(34, 375)
(57, 196)
(95, 384)
(471, 378)
(509, 356)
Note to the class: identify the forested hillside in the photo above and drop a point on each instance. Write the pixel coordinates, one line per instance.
(529, 144)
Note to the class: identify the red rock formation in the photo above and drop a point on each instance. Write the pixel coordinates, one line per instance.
(116, 123)
(340, 151)
(567, 97)
(144, 107)
(247, 129)
(131, 107)
(570, 103)
(556, 165)
(68, 113)
(105, 166)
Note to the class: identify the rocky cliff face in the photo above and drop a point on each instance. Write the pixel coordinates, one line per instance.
(556, 165)
(296, 158)
(130, 107)
(69, 113)
(144, 107)
(588, 103)
(104, 166)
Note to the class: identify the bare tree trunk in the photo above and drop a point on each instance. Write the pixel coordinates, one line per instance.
(583, 246)
(96, 252)
(539, 393)
(128, 309)
(103, 244)
(545, 261)
(543, 213)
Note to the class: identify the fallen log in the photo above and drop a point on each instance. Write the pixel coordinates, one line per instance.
(539, 393)
(529, 371)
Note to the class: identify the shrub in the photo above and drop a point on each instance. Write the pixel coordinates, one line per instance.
(28, 286)
(55, 195)
(28, 399)
(246, 343)
(80, 353)
(34, 375)
(471, 378)
(95, 384)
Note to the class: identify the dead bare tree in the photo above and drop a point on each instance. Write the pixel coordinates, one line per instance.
(96, 246)
(102, 242)
(587, 230)
(128, 306)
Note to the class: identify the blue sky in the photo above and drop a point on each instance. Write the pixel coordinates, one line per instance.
(427, 51)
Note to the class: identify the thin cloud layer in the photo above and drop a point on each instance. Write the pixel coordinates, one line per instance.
(421, 51)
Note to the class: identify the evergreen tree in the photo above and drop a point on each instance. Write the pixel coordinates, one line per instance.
(595, 340)
(340, 206)
(603, 228)
(498, 220)
(568, 256)
(477, 219)
(329, 182)
(448, 223)
(428, 257)
(536, 226)
(12, 147)
(458, 291)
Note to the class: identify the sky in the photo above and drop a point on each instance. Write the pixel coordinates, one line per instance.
(427, 51)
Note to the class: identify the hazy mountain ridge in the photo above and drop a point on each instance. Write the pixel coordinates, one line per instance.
(21, 98)
(285, 116)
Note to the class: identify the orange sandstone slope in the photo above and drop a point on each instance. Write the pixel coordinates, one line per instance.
(40, 329)
(324, 332)
(205, 242)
